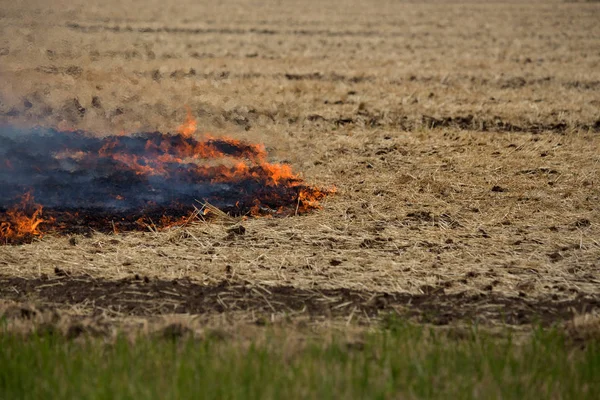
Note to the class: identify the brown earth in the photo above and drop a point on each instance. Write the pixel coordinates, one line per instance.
(140, 296)
(464, 141)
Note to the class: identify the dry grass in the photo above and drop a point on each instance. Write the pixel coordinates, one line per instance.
(425, 214)
(406, 108)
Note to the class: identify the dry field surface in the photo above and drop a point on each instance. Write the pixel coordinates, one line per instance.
(463, 140)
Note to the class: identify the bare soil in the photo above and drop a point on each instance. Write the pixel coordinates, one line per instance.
(463, 140)
(140, 296)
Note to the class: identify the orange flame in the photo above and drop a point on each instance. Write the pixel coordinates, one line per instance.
(23, 220)
(238, 161)
(188, 128)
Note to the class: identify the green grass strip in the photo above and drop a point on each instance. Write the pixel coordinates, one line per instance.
(403, 361)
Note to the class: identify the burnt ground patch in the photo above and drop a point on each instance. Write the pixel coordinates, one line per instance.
(142, 296)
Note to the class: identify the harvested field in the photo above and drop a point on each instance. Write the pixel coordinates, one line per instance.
(463, 142)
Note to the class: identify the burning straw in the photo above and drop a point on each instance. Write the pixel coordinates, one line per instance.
(119, 183)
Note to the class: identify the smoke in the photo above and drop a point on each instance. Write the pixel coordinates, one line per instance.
(77, 171)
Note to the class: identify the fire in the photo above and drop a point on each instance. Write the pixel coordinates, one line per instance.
(188, 128)
(127, 182)
(23, 220)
